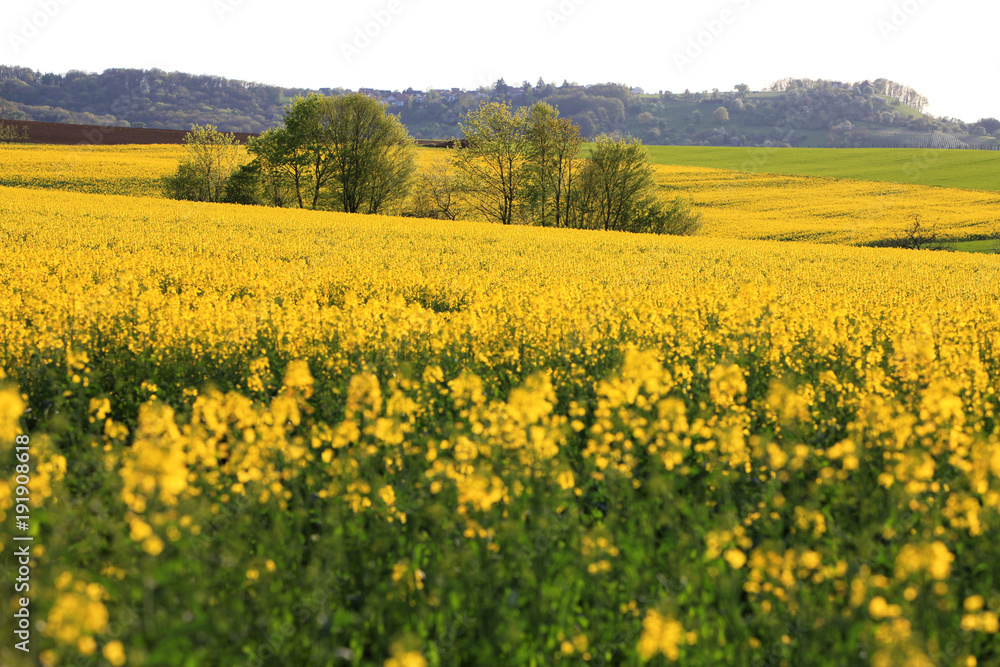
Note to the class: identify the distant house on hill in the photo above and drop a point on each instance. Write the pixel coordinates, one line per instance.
(449, 95)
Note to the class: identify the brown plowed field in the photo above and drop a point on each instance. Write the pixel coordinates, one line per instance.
(69, 134)
(65, 133)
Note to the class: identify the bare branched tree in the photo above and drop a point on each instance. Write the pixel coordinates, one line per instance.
(919, 236)
(436, 192)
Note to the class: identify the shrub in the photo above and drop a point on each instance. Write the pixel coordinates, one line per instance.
(658, 217)
(244, 186)
(185, 184)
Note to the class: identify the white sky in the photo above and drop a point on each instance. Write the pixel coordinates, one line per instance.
(945, 50)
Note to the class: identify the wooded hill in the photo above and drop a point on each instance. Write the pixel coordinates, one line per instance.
(792, 112)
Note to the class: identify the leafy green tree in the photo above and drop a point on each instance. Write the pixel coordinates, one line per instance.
(244, 186)
(617, 191)
(617, 175)
(308, 144)
(344, 153)
(991, 125)
(568, 141)
(185, 183)
(540, 186)
(372, 154)
(554, 145)
(10, 133)
(527, 162)
(212, 157)
(493, 170)
(720, 115)
(517, 164)
(656, 217)
(281, 166)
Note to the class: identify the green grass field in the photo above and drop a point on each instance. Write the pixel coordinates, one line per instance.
(978, 170)
(988, 246)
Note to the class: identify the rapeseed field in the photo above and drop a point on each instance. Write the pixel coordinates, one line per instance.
(118, 170)
(281, 437)
(818, 209)
(733, 204)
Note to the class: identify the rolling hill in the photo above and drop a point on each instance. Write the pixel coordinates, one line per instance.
(792, 112)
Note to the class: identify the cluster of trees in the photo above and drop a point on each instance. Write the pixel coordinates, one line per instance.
(346, 153)
(822, 106)
(897, 91)
(597, 109)
(526, 165)
(986, 126)
(781, 117)
(334, 153)
(143, 98)
(10, 133)
(737, 118)
(210, 172)
(154, 98)
(850, 115)
(341, 153)
(901, 93)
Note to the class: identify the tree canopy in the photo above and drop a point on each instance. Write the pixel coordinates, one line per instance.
(212, 157)
(342, 153)
(525, 166)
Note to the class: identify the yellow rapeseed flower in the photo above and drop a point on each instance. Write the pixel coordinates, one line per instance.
(661, 635)
(735, 558)
(403, 658)
(11, 408)
(114, 652)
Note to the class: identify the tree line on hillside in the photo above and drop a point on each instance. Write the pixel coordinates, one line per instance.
(141, 98)
(848, 115)
(897, 91)
(597, 109)
(781, 117)
(154, 98)
(347, 153)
